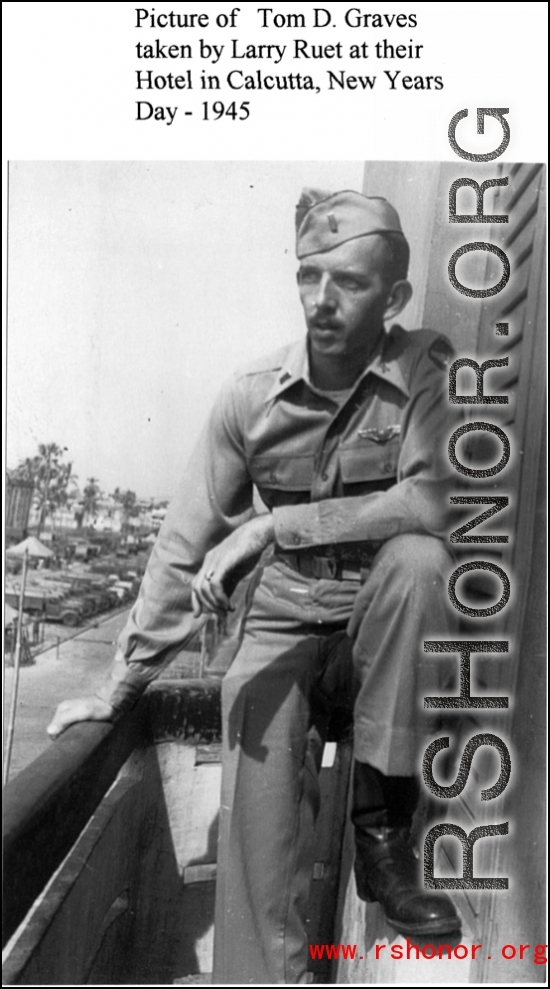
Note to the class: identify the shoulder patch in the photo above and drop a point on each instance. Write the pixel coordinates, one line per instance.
(441, 353)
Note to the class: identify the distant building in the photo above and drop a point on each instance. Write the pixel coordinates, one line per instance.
(157, 517)
(18, 506)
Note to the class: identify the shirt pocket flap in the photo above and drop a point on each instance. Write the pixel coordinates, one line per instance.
(369, 461)
(284, 473)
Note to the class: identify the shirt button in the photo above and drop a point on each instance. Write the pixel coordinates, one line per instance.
(387, 468)
(273, 477)
(324, 476)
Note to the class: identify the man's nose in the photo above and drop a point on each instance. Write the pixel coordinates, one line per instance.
(325, 297)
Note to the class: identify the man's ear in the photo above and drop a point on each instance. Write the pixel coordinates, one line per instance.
(400, 294)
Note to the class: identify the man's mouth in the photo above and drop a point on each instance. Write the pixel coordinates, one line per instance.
(326, 324)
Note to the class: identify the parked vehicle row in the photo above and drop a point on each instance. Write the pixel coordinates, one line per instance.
(72, 596)
(50, 607)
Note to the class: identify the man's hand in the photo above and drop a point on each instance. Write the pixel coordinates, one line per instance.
(249, 540)
(82, 709)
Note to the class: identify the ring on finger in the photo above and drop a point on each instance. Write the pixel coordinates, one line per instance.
(209, 575)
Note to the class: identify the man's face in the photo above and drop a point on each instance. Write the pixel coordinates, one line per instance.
(345, 296)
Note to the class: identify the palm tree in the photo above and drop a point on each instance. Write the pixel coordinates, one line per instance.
(127, 501)
(60, 487)
(128, 508)
(50, 476)
(91, 495)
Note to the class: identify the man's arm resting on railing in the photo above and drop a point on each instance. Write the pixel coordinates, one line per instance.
(120, 690)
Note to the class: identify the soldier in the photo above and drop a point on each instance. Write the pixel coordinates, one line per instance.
(342, 434)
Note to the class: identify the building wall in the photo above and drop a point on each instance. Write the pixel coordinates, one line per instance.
(420, 192)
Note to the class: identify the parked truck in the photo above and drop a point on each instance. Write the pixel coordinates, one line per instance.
(50, 607)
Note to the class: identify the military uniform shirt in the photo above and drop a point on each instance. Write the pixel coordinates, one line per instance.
(370, 469)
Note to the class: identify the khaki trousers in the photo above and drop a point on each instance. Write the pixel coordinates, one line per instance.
(294, 664)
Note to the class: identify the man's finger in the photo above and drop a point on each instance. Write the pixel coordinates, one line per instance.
(63, 717)
(203, 599)
(212, 599)
(217, 594)
(208, 594)
(196, 603)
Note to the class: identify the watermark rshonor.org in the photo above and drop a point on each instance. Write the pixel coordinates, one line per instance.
(493, 504)
(415, 952)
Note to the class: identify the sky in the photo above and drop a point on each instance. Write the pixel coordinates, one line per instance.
(134, 290)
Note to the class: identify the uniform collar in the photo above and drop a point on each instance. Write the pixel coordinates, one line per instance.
(295, 367)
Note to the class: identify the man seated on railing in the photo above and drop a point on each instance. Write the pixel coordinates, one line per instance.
(342, 435)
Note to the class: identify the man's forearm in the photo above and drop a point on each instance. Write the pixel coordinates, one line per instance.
(407, 507)
(125, 682)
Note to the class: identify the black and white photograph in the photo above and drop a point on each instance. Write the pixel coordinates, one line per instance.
(267, 556)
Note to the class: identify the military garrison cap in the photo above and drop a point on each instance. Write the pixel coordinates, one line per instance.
(325, 220)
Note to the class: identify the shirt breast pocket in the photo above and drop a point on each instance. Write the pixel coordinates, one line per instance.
(370, 460)
(282, 473)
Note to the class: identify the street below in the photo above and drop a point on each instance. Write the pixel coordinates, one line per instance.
(74, 668)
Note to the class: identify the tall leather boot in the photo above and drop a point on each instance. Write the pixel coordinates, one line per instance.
(386, 864)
